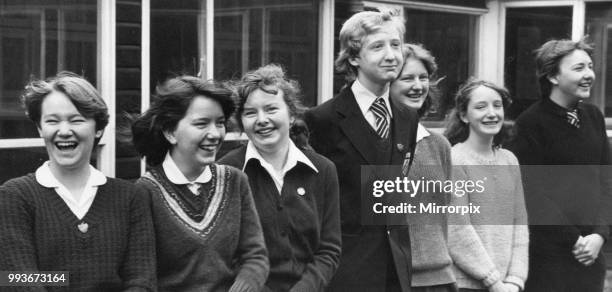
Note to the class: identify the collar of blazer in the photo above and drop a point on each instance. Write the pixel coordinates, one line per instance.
(355, 127)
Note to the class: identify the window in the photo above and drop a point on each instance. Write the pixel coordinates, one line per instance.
(176, 45)
(599, 29)
(527, 28)
(38, 39)
(450, 37)
(249, 34)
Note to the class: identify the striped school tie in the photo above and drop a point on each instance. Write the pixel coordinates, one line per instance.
(381, 113)
(572, 118)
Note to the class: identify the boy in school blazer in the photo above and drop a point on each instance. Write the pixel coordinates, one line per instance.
(356, 128)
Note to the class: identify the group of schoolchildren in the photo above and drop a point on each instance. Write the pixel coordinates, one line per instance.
(283, 212)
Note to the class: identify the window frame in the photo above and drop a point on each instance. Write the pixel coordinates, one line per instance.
(105, 80)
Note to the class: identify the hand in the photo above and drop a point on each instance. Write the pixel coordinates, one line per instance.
(499, 286)
(586, 250)
(512, 287)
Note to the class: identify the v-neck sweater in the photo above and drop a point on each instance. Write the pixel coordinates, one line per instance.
(224, 249)
(110, 249)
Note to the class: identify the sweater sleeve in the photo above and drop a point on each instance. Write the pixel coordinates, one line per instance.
(18, 252)
(519, 262)
(139, 267)
(318, 273)
(252, 251)
(465, 247)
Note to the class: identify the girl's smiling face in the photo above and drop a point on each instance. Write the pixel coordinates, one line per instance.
(68, 135)
(266, 120)
(485, 112)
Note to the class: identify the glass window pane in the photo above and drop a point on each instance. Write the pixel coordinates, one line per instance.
(599, 29)
(526, 30)
(175, 44)
(450, 38)
(38, 41)
(250, 33)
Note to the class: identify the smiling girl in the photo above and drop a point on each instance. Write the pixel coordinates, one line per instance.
(562, 130)
(295, 190)
(416, 88)
(68, 216)
(207, 229)
(493, 254)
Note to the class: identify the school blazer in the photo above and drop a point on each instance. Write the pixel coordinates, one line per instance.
(339, 131)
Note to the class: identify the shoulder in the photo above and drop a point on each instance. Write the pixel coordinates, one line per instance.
(120, 188)
(459, 155)
(21, 188)
(592, 111)
(405, 110)
(436, 140)
(231, 174)
(531, 114)
(327, 108)
(234, 158)
(21, 182)
(320, 113)
(507, 157)
(119, 183)
(321, 162)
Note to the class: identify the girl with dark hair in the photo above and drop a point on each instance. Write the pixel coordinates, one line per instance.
(574, 204)
(208, 233)
(68, 216)
(431, 262)
(295, 190)
(492, 254)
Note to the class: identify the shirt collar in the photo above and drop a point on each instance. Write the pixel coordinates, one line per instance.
(177, 177)
(294, 156)
(365, 98)
(559, 110)
(422, 132)
(45, 177)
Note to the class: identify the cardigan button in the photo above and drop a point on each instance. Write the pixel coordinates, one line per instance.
(279, 207)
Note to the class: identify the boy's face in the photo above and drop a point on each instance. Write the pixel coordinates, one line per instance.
(380, 57)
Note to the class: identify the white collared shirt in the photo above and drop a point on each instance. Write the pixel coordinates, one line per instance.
(80, 206)
(177, 177)
(422, 132)
(293, 157)
(366, 98)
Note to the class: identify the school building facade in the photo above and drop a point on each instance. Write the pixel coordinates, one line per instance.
(125, 47)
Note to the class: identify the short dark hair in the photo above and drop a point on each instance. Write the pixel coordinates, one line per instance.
(456, 130)
(270, 79)
(81, 93)
(169, 106)
(548, 57)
